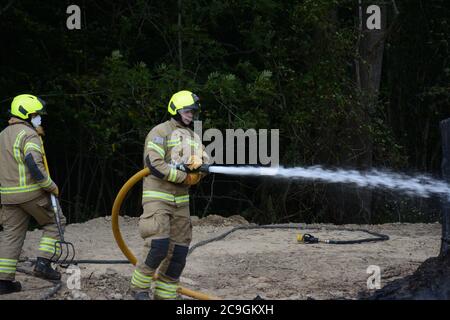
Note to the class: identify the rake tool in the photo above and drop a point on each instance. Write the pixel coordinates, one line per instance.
(61, 246)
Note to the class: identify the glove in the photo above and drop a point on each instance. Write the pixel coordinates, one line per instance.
(40, 131)
(55, 191)
(192, 178)
(194, 162)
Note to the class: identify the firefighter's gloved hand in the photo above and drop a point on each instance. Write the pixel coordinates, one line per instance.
(55, 191)
(194, 162)
(192, 178)
(40, 131)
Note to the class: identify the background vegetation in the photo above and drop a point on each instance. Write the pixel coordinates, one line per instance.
(291, 65)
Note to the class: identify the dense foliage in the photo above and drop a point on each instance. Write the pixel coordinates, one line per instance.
(255, 64)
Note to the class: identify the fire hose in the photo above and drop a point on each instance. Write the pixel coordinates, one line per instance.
(120, 241)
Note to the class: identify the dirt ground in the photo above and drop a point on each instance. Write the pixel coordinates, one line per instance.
(247, 263)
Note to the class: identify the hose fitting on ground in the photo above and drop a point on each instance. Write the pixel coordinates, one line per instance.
(307, 238)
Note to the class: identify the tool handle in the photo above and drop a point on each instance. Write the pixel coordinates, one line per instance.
(55, 206)
(54, 200)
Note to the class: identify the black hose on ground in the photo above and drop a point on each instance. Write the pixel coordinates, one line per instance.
(377, 236)
(84, 261)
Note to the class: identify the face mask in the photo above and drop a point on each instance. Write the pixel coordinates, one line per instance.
(36, 121)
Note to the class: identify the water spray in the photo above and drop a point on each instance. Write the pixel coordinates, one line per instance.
(419, 185)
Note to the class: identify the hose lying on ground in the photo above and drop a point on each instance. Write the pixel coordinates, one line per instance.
(378, 236)
(84, 261)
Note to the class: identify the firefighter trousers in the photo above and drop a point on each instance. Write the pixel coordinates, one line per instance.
(15, 220)
(167, 233)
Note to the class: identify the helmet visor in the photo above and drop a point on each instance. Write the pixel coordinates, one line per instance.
(190, 109)
(43, 111)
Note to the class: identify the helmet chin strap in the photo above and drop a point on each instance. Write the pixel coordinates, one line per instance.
(180, 120)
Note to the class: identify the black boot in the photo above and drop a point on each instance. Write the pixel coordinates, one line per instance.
(8, 286)
(43, 269)
(141, 295)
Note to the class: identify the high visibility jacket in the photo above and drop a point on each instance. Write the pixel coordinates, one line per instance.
(22, 172)
(167, 144)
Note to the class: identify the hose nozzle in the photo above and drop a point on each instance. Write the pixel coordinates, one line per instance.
(183, 167)
(204, 168)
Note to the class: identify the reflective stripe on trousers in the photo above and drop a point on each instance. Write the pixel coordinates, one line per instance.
(49, 245)
(166, 290)
(140, 280)
(158, 195)
(8, 266)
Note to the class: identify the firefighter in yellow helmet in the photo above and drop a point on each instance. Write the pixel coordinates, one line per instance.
(165, 224)
(25, 186)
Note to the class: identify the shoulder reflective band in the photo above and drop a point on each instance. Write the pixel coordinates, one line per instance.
(31, 146)
(172, 175)
(157, 148)
(18, 157)
(166, 196)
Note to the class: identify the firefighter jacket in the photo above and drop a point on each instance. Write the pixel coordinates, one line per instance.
(22, 172)
(167, 144)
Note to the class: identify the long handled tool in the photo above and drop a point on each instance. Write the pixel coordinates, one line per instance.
(64, 250)
(61, 246)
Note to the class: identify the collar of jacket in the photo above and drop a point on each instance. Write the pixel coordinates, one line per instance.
(176, 123)
(13, 121)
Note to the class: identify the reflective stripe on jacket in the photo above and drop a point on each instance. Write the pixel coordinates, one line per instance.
(165, 182)
(20, 141)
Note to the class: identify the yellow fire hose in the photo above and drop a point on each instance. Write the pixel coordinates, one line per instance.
(121, 243)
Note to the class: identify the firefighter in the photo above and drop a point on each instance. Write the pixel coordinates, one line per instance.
(165, 224)
(25, 186)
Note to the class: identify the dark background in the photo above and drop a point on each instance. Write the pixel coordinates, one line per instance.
(299, 66)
